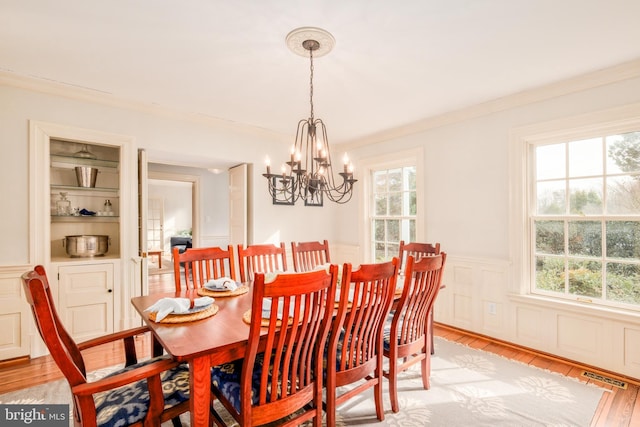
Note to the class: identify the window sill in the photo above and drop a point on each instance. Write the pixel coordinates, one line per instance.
(583, 308)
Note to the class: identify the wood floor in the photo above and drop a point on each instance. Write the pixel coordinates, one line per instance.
(619, 407)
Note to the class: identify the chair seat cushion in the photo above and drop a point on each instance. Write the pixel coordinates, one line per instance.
(129, 404)
(226, 378)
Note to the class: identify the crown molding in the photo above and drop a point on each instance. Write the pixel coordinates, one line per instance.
(80, 93)
(621, 72)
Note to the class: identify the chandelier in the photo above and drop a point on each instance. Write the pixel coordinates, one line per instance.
(308, 174)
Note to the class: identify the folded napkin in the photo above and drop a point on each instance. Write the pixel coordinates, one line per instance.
(221, 283)
(166, 306)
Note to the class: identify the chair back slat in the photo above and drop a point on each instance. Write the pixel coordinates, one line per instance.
(199, 265)
(301, 309)
(308, 255)
(266, 258)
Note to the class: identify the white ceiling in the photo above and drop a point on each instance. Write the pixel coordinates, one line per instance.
(394, 63)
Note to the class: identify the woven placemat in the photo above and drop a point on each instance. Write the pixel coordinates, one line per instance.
(246, 318)
(182, 318)
(337, 305)
(204, 292)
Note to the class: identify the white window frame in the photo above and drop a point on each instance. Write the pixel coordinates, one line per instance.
(522, 206)
(413, 157)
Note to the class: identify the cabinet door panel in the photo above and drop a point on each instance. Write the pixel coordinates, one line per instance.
(86, 299)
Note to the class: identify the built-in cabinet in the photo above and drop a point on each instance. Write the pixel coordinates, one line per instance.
(92, 293)
(86, 296)
(84, 183)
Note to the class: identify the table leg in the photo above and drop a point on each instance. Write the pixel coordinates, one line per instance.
(200, 388)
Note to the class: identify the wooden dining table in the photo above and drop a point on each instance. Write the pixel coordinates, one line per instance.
(204, 343)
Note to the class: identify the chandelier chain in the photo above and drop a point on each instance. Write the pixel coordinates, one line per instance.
(311, 82)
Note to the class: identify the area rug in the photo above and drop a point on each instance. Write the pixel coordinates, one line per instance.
(468, 388)
(153, 269)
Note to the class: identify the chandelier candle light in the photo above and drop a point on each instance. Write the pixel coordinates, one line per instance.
(312, 180)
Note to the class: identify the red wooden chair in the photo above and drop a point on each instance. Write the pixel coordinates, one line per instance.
(417, 251)
(146, 393)
(408, 336)
(308, 255)
(254, 259)
(280, 374)
(355, 344)
(201, 265)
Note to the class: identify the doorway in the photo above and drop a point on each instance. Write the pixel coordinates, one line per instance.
(171, 213)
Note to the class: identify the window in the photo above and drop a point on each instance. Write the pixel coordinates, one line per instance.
(585, 219)
(393, 210)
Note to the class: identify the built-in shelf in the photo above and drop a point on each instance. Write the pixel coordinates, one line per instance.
(73, 188)
(84, 218)
(67, 162)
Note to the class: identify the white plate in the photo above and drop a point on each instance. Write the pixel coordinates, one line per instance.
(238, 284)
(194, 310)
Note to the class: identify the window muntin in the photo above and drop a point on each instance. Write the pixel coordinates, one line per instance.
(394, 208)
(586, 219)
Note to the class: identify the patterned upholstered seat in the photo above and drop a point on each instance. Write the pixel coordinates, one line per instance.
(226, 378)
(131, 402)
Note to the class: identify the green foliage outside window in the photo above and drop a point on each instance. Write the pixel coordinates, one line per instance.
(585, 248)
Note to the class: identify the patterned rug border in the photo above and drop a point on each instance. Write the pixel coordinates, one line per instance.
(548, 371)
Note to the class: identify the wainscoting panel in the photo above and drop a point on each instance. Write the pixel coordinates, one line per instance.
(15, 316)
(462, 309)
(573, 342)
(462, 275)
(631, 348)
(529, 322)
